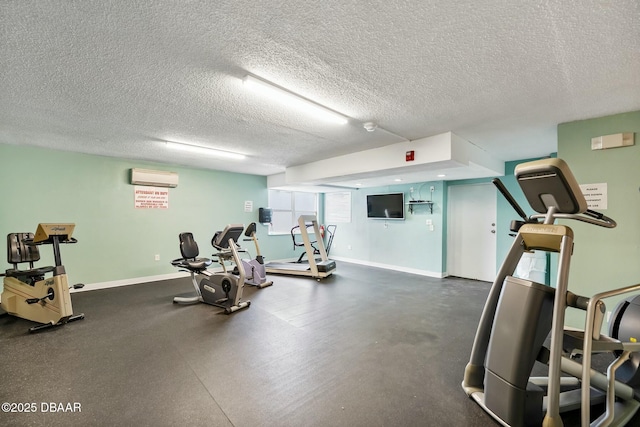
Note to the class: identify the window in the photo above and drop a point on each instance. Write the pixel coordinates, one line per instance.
(287, 206)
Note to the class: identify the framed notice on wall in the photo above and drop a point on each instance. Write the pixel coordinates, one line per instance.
(596, 195)
(337, 207)
(151, 197)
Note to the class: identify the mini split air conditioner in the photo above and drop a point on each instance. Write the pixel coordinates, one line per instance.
(154, 178)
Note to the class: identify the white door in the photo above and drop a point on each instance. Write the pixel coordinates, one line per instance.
(471, 231)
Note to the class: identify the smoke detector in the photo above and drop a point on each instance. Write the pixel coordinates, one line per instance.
(370, 126)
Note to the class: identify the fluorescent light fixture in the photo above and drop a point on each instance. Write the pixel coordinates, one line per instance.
(398, 180)
(294, 101)
(441, 175)
(205, 150)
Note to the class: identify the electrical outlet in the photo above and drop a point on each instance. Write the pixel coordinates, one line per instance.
(157, 257)
(432, 188)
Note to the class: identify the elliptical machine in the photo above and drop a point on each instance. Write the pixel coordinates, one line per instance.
(26, 293)
(221, 289)
(519, 315)
(256, 274)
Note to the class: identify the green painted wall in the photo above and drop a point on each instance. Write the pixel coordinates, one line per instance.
(118, 242)
(115, 240)
(408, 244)
(603, 258)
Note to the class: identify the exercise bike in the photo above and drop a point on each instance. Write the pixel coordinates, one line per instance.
(255, 271)
(520, 315)
(27, 294)
(221, 289)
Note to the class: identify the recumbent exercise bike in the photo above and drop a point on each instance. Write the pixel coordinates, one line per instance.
(220, 289)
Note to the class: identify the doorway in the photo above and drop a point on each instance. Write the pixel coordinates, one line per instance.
(471, 231)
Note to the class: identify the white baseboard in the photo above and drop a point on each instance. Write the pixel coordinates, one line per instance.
(127, 282)
(391, 267)
(138, 280)
(157, 278)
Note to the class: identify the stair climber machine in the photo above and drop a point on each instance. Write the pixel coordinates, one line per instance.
(220, 289)
(27, 293)
(256, 274)
(519, 315)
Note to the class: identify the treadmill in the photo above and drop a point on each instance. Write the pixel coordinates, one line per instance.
(318, 269)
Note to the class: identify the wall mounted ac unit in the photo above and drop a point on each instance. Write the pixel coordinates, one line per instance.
(154, 178)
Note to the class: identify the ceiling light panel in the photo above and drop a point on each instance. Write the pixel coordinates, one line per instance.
(293, 101)
(205, 151)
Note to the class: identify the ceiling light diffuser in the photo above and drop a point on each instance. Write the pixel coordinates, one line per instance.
(205, 150)
(294, 101)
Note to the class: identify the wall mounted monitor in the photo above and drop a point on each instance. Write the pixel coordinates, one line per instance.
(385, 206)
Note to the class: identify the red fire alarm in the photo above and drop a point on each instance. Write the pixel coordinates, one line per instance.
(410, 156)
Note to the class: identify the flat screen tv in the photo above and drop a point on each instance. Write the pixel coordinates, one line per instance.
(385, 206)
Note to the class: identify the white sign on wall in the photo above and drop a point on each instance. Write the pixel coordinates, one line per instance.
(337, 207)
(595, 194)
(151, 197)
(248, 205)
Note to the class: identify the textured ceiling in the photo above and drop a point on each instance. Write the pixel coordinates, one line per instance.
(119, 77)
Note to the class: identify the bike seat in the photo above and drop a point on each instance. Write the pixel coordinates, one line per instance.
(189, 250)
(32, 272)
(20, 249)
